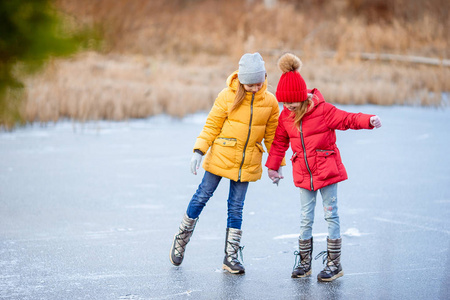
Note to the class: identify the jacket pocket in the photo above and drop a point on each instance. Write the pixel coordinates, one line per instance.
(297, 169)
(224, 152)
(326, 164)
(260, 147)
(257, 154)
(227, 142)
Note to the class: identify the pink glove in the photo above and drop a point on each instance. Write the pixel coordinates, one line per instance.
(375, 121)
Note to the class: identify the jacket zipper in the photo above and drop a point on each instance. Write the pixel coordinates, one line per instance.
(248, 136)
(304, 154)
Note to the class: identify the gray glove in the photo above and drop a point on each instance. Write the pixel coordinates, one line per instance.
(196, 161)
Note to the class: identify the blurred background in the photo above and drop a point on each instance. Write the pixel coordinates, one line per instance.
(116, 59)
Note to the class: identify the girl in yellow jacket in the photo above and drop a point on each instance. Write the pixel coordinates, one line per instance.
(243, 115)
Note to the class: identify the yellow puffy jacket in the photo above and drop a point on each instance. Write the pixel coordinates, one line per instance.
(235, 138)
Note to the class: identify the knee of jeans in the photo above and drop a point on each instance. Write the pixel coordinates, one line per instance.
(329, 214)
(202, 193)
(304, 215)
(199, 199)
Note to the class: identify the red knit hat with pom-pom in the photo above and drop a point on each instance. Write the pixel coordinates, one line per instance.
(291, 87)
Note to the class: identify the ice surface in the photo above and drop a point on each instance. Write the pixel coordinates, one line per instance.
(88, 211)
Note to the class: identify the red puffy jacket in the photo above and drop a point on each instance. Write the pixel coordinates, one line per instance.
(316, 161)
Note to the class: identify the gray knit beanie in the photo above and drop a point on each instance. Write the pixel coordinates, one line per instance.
(251, 69)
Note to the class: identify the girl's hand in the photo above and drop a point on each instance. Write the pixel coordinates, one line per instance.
(375, 121)
(196, 161)
(275, 176)
(280, 173)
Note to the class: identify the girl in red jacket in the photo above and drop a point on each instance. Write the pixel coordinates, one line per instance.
(308, 124)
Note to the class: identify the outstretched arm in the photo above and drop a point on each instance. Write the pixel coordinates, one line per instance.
(339, 119)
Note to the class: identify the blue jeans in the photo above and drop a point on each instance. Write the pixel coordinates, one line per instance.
(330, 209)
(236, 197)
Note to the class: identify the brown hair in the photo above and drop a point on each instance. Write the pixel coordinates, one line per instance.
(302, 109)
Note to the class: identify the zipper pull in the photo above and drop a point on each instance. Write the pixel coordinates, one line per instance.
(294, 157)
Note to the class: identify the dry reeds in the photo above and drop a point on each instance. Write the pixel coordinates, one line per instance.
(174, 56)
(185, 28)
(118, 87)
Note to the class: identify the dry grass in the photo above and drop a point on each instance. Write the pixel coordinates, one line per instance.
(117, 87)
(174, 56)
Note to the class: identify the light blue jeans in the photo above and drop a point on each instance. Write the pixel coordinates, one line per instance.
(330, 209)
(236, 197)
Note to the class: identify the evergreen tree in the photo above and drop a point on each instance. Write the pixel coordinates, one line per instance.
(31, 32)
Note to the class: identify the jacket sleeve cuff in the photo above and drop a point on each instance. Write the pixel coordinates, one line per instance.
(199, 152)
(201, 145)
(370, 125)
(274, 163)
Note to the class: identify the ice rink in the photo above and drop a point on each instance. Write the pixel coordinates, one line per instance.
(88, 211)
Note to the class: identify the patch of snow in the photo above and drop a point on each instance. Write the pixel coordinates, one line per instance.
(352, 232)
(198, 118)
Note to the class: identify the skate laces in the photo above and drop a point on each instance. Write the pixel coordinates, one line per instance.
(324, 256)
(297, 258)
(237, 250)
(240, 253)
(331, 265)
(299, 262)
(181, 241)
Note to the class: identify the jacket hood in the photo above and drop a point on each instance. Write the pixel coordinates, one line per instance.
(233, 83)
(319, 98)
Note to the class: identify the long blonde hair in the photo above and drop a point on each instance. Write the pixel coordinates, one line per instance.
(239, 98)
(302, 109)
